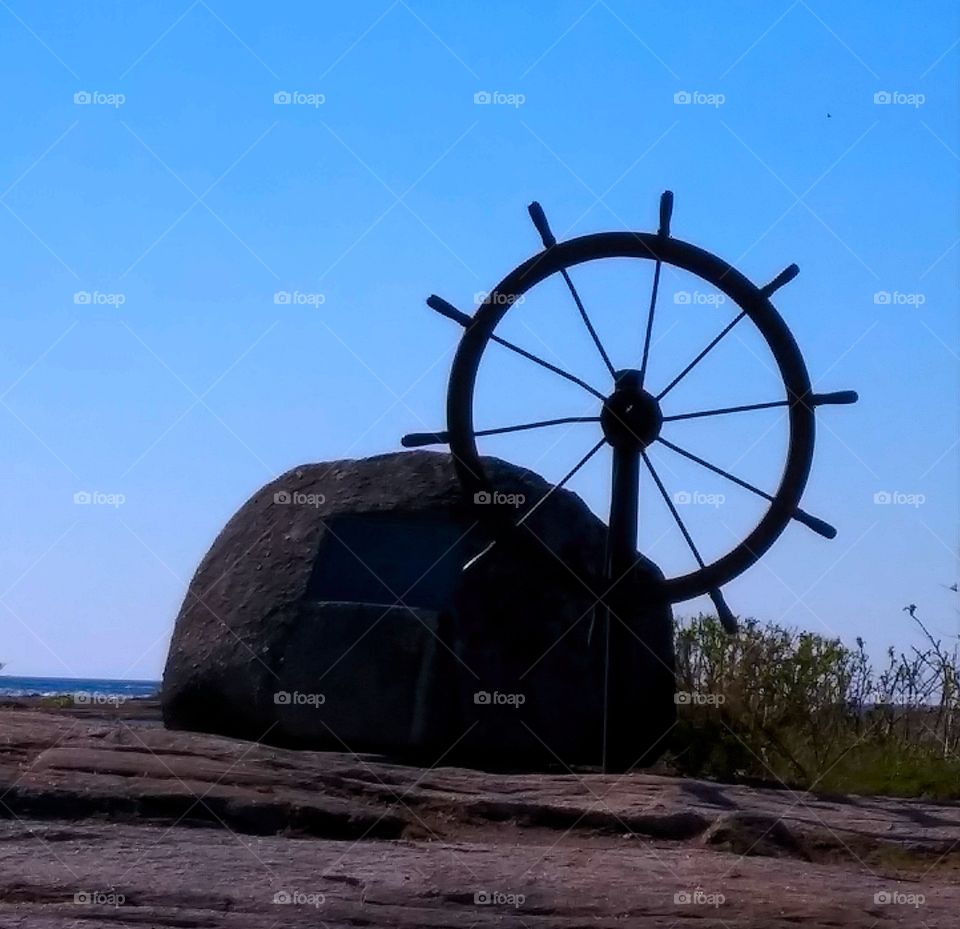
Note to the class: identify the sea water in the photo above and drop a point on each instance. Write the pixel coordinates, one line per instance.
(94, 687)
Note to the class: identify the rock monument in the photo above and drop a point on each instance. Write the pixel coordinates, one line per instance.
(333, 612)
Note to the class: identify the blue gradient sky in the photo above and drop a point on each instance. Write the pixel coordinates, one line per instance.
(197, 198)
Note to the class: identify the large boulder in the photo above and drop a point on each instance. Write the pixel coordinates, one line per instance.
(333, 612)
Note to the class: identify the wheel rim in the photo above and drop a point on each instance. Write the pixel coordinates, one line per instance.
(752, 301)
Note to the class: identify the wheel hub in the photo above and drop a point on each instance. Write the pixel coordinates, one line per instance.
(631, 417)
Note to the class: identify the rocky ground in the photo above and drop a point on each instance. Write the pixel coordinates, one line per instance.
(107, 819)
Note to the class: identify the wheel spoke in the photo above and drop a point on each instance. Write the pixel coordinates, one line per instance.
(549, 240)
(673, 509)
(550, 367)
(666, 211)
(811, 522)
(727, 409)
(596, 448)
(418, 439)
(724, 613)
(839, 397)
(699, 357)
(650, 312)
(588, 324)
(451, 312)
(784, 277)
(541, 501)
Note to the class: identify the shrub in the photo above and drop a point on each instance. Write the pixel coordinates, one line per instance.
(802, 710)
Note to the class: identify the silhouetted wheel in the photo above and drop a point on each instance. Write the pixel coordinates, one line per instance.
(630, 416)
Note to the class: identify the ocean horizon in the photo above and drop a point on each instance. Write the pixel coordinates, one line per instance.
(100, 688)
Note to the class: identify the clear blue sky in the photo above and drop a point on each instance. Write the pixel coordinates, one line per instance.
(196, 198)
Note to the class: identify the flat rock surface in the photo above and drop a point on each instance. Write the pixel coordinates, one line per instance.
(158, 828)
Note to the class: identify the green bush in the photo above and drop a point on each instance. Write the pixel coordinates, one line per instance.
(797, 709)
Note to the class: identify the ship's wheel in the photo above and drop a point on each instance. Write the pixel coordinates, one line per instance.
(632, 414)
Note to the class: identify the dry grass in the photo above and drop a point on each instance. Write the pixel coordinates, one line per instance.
(793, 707)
